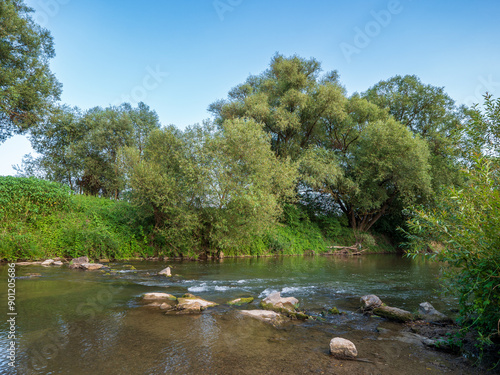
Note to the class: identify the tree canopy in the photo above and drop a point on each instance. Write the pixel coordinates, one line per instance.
(28, 87)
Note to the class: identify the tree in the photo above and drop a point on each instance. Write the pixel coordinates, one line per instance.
(28, 88)
(428, 111)
(310, 120)
(385, 163)
(464, 226)
(209, 189)
(290, 100)
(81, 149)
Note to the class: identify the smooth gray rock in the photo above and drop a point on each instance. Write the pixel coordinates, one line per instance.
(91, 266)
(48, 262)
(370, 302)
(76, 262)
(275, 302)
(428, 313)
(342, 349)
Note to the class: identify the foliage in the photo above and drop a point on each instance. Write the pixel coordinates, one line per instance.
(81, 149)
(41, 219)
(28, 88)
(462, 229)
(466, 224)
(209, 189)
(385, 162)
(333, 137)
(429, 112)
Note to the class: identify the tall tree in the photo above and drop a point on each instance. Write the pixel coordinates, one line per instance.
(428, 111)
(28, 88)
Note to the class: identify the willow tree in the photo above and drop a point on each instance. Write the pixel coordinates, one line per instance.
(210, 189)
(28, 87)
(428, 111)
(349, 149)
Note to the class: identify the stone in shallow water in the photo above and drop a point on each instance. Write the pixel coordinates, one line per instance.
(57, 263)
(48, 262)
(159, 296)
(342, 349)
(167, 272)
(428, 313)
(91, 266)
(280, 304)
(189, 303)
(265, 315)
(370, 302)
(77, 262)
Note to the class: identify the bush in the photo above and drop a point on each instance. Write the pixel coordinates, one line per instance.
(465, 226)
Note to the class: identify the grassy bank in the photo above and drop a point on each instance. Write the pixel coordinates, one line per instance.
(41, 219)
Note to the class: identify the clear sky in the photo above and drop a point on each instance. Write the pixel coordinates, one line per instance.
(180, 56)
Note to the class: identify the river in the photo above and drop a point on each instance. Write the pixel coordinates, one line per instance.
(93, 322)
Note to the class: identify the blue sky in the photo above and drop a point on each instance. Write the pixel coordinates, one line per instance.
(180, 56)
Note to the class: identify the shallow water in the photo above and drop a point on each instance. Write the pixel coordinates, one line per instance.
(93, 322)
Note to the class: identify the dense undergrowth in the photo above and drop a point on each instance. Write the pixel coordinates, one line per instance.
(40, 219)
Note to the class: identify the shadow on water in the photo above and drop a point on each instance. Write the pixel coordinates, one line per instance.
(76, 322)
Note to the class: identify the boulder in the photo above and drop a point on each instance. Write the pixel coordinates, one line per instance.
(158, 296)
(393, 313)
(240, 301)
(167, 272)
(48, 262)
(190, 303)
(370, 302)
(342, 349)
(57, 263)
(428, 313)
(275, 302)
(264, 315)
(91, 266)
(76, 262)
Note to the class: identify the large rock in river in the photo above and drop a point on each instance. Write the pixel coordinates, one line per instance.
(342, 349)
(428, 313)
(393, 313)
(167, 272)
(275, 302)
(240, 301)
(76, 262)
(370, 302)
(189, 303)
(91, 266)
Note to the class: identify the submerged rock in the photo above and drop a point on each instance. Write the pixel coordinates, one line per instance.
(370, 302)
(167, 272)
(91, 266)
(240, 301)
(342, 349)
(428, 313)
(393, 313)
(159, 296)
(77, 262)
(264, 315)
(48, 262)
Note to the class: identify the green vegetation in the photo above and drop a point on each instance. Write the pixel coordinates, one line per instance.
(28, 86)
(289, 165)
(462, 229)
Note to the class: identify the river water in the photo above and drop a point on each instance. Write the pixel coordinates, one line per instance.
(93, 322)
